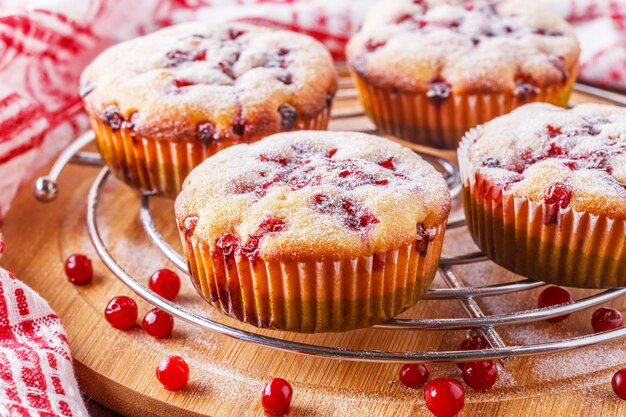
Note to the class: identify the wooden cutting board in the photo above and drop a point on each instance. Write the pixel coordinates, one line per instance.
(116, 368)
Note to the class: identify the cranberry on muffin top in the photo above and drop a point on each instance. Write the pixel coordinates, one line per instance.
(312, 195)
(574, 158)
(464, 46)
(210, 81)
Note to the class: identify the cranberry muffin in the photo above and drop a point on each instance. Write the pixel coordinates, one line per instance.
(162, 103)
(313, 231)
(428, 70)
(544, 191)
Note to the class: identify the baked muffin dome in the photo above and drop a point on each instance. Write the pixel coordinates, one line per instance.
(203, 83)
(555, 181)
(446, 49)
(339, 207)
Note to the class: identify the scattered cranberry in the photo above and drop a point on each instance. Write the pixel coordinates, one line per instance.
(605, 318)
(414, 375)
(158, 323)
(473, 343)
(558, 193)
(78, 269)
(619, 383)
(444, 397)
(552, 296)
(480, 375)
(173, 373)
(121, 312)
(276, 397)
(166, 283)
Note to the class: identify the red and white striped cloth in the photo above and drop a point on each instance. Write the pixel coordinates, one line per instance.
(44, 45)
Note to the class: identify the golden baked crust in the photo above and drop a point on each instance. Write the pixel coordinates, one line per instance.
(479, 46)
(210, 81)
(312, 195)
(574, 158)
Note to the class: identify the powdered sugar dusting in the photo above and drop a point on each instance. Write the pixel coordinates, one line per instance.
(476, 46)
(332, 193)
(539, 145)
(230, 75)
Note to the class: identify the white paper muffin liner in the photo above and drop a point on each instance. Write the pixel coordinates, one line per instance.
(538, 240)
(315, 296)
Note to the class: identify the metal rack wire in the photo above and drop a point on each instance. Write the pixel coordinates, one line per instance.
(46, 188)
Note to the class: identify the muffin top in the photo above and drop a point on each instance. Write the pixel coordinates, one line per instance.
(464, 46)
(210, 81)
(574, 158)
(312, 196)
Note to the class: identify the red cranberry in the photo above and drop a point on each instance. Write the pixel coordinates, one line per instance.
(173, 373)
(206, 132)
(286, 78)
(158, 323)
(357, 218)
(227, 70)
(86, 88)
(239, 129)
(227, 245)
(288, 116)
(414, 375)
(121, 312)
(619, 383)
(438, 92)
(166, 283)
(276, 397)
(559, 63)
(268, 225)
(235, 33)
(388, 163)
(558, 193)
(525, 90)
(553, 131)
(480, 375)
(282, 51)
(331, 153)
(176, 57)
(189, 225)
(182, 82)
(113, 117)
(371, 45)
(404, 18)
(78, 269)
(444, 397)
(473, 343)
(281, 160)
(552, 296)
(423, 239)
(605, 318)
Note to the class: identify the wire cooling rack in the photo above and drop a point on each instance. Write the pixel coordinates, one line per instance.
(46, 189)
